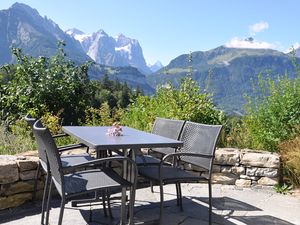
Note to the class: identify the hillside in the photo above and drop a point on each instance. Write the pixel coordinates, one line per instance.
(228, 73)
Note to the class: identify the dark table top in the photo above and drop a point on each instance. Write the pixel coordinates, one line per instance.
(96, 137)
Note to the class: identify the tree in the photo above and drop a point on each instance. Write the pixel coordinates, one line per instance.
(40, 85)
(186, 103)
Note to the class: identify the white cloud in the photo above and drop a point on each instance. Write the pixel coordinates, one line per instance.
(258, 27)
(249, 43)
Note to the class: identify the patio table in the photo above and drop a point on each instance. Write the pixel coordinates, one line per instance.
(96, 137)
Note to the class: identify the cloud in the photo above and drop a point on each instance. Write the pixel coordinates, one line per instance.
(258, 27)
(249, 43)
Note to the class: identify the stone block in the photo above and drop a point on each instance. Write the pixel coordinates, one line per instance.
(267, 181)
(20, 187)
(226, 169)
(223, 178)
(28, 175)
(242, 176)
(216, 169)
(243, 183)
(227, 156)
(238, 170)
(260, 159)
(29, 163)
(9, 171)
(14, 200)
(262, 172)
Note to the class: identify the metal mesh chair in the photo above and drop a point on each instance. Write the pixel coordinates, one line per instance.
(70, 182)
(169, 128)
(199, 150)
(67, 161)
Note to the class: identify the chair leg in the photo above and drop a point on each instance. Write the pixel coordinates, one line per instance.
(45, 197)
(161, 203)
(177, 194)
(123, 206)
(61, 212)
(49, 201)
(103, 203)
(109, 206)
(151, 186)
(131, 206)
(180, 196)
(210, 203)
(35, 182)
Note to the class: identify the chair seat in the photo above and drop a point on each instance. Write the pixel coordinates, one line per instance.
(91, 180)
(169, 174)
(146, 159)
(70, 160)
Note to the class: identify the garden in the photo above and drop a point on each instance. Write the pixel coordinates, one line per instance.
(60, 92)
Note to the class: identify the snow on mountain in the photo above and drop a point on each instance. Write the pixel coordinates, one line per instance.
(111, 51)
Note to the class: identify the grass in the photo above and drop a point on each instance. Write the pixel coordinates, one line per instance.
(11, 144)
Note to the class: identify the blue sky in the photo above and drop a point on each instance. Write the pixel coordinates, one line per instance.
(169, 28)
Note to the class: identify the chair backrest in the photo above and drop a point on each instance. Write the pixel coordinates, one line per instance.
(168, 127)
(42, 154)
(201, 139)
(47, 144)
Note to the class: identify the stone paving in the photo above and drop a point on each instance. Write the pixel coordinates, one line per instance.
(231, 205)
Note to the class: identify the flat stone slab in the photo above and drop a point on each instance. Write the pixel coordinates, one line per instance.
(231, 205)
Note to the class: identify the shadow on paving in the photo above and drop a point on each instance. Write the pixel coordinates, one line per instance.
(195, 212)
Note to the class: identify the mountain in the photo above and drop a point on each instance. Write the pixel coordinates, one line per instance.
(112, 51)
(129, 75)
(297, 52)
(156, 66)
(228, 73)
(21, 26)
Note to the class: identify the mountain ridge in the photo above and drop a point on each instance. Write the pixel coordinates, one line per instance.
(228, 73)
(112, 51)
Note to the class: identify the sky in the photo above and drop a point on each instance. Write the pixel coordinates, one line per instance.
(166, 29)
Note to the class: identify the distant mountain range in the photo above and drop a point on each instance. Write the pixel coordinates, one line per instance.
(21, 26)
(228, 73)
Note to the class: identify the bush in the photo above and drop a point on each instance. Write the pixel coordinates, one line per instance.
(18, 140)
(42, 85)
(274, 116)
(185, 103)
(290, 155)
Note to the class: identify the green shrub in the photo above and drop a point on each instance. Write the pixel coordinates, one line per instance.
(274, 116)
(18, 140)
(185, 103)
(42, 85)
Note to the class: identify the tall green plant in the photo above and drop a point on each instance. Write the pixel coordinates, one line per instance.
(274, 116)
(185, 103)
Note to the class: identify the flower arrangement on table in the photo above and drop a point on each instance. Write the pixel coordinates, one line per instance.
(115, 130)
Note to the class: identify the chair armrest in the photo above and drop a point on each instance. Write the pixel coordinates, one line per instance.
(70, 147)
(73, 168)
(184, 154)
(60, 135)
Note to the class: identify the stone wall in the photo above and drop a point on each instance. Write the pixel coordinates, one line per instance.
(243, 168)
(17, 175)
(246, 167)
